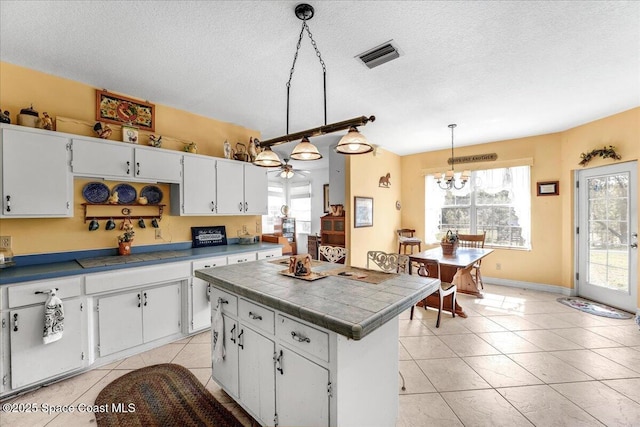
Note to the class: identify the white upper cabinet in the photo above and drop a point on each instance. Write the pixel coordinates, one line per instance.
(35, 179)
(105, 159)
(242, 188)
(198, 189)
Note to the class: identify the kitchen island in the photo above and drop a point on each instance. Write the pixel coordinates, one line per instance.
(311, 353)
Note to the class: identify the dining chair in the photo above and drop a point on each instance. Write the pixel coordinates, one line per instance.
(389, 262)
(333, 254)
(406, 239)
(473, 241)
(431, 268)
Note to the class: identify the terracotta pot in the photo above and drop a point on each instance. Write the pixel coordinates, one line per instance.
(124, 248)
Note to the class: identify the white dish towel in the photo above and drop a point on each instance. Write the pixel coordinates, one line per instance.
(218, 334)
(53, 318)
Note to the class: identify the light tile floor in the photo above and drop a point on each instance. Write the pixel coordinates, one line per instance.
(520, 358)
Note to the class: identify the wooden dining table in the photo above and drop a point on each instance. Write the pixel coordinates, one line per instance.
(454, 269)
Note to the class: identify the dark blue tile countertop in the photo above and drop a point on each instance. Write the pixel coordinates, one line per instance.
(55, 265)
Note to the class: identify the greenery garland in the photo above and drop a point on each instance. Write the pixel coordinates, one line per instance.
(604, 152)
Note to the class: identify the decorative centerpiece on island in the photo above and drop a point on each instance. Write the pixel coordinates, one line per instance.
(300, 265)
(449, 243)
(126, 239)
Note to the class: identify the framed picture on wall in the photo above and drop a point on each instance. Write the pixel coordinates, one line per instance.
(549, 188)
(363, 209)
(325, 197)
(121, 110)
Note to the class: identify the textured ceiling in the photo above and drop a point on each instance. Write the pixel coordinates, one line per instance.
(499, 69)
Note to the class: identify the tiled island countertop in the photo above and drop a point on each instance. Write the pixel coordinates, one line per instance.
(340, 304)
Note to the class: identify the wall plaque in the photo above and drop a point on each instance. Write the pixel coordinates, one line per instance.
(491, 157)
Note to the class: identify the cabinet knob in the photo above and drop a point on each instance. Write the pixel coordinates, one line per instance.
(255, 316)
(299, 337)
(213, 207)
(8, 203)
(233, 338)
(145, 299)
(240, 206)
(279, 363)
(128, 168)
(240, 340)
(138, 167)
(138, 300)
(246, 206)
(15, 322)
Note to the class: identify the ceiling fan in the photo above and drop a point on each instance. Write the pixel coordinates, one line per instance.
(286, 171)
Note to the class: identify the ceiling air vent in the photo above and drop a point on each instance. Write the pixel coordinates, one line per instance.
(379, 55)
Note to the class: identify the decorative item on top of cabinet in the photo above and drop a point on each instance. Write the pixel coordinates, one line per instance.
(228, 151)
(5, 117)
(252, 150)
(129, 134)
(119, 109)
(29, 117)
(190, 147)
(46, 121)
(103, 131)
(241, 152)
(155, 141)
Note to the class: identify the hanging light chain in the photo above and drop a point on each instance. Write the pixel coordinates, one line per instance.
(295, 57)
(313, 43)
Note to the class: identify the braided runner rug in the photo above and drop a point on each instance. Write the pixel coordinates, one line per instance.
(160, 395)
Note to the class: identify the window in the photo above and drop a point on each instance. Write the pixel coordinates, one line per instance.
(497, 201)
(300, 195)
(275, 200)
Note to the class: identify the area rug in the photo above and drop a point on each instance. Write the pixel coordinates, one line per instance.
(160, 395)
(594, 308)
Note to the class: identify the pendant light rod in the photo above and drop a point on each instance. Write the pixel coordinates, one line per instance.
(321, 130)
(452, 127)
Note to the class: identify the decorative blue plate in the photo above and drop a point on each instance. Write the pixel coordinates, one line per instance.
(126, 194)
(152, 193)
(95, 192)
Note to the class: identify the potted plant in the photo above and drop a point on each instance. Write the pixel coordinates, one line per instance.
(449, 243)
(126, 239)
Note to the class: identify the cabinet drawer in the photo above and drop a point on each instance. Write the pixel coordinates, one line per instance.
(271, 253)
(25, 294)
(306, 338)
(257, 316)
(228, 307)
(208, 263)
(245, 257)
(130, 277)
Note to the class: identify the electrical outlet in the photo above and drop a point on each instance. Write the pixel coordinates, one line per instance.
(5, 242)
(158, 233)
(498, 266)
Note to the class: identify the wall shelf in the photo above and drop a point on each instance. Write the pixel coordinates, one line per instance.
(127, 211)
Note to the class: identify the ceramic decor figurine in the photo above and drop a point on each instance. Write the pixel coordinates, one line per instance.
(103, 131)
(5, 117)
(46, 122)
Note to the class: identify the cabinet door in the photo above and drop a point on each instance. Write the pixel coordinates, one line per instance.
(157, 165)
(101, 159)
(257, 379)
(161, 312)
(255, 190)
(301, 387)
(119, 322)
(36, 181)
(230, 186)
(225, 373)
(31, 359)
(200, 304)
(198, 186)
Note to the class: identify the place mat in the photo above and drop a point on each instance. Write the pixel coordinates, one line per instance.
(594, 308)
(161, 395)
(314, 263)
(361, 274)
(310, 278)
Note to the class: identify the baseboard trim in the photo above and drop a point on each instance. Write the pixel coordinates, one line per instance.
(530, 285)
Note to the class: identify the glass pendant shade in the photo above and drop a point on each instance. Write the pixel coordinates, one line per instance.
(305, 150)
(286, 174)
(267, 159)
(353, 143)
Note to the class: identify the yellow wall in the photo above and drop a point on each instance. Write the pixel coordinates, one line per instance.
(363, 175)
(555, 157)
(20, 87)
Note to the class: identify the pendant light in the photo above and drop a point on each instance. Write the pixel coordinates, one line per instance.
(447, 181)
(355, 143)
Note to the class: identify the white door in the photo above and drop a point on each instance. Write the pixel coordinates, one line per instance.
(255, 190)
(119, 322)
(101, 159)
(199, 185)
(31, 359)
(225, 373)
(161, 166)
(607, 216)
(161, 312)
(230, 186)
(36, 181)
(257, 378)
(200, 304)
(302, 390)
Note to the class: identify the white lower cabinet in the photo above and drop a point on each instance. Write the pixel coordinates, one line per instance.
(133, 318)
(302, 387)
(33, 361)
(275, 384)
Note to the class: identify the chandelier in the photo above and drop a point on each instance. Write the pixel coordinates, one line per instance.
(447, 180)
(352, 143)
